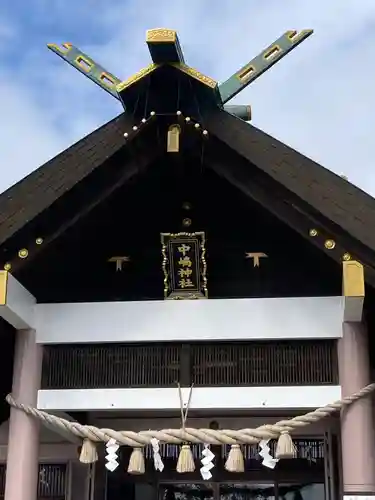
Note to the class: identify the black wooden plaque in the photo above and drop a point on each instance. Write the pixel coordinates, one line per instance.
(184, 265)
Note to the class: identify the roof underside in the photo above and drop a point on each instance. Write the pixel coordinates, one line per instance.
(129, 223)
(327, 201)
(334, 197)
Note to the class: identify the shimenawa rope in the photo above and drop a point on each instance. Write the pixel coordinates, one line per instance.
(137, 440)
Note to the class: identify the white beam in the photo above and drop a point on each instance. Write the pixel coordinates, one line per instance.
(217, 319)
(225, 319)
(17, 305)
(203, 398)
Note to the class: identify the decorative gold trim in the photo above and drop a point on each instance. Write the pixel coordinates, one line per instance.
(272, 52)
(136, 77)
(197, 75)
(164, 237)
(3, 287)
(330, 244)
(246, 73)
(107, 80)
(64, 48)
(161, 35)
(173, 138)
(249, 115)
(119, 260)
(164, 265)
(256, 256)
(353, 279)
(23, 253)
(188, 296)
(295, 35)
(82, 59)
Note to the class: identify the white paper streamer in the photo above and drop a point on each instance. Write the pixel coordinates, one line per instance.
(42, 478)
(310, 458)
(111, 456)
(268, 460)
(158, 462)
(206, 462)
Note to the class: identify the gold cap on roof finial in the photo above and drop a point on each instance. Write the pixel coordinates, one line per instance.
(158, 35)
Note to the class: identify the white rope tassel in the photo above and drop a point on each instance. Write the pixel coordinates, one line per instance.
(158, 462)
(268, 460)
(207, 463)
(111, 456)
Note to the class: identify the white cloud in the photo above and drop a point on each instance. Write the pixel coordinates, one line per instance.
(7, 31)
(319, 99)
(26, 136)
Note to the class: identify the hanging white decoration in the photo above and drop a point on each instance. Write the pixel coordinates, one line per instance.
(43, 478)
(268, 460)
(111, 456)
(206, 462)
(158, 462)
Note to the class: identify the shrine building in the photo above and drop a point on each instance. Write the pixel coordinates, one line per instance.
(175, 284)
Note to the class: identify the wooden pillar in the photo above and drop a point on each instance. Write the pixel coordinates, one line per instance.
(357, 434)
(23, 441)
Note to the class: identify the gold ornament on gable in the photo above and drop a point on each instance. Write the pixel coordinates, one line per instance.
(119, 261)
(255, 256)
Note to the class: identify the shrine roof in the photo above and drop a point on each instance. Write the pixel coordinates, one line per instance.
(346, 206)
(330, 206)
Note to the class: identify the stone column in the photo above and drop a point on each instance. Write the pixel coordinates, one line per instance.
(23, 441)
(357, 434)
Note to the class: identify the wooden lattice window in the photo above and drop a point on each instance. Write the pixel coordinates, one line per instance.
(51, 485)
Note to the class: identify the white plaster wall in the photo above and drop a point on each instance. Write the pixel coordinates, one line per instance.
(215, 319)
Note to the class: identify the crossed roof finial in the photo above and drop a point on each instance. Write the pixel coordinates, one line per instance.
(165, 49)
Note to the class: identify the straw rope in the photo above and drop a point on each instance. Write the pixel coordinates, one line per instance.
(190, 435)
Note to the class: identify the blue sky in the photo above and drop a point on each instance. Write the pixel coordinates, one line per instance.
(319, 99)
